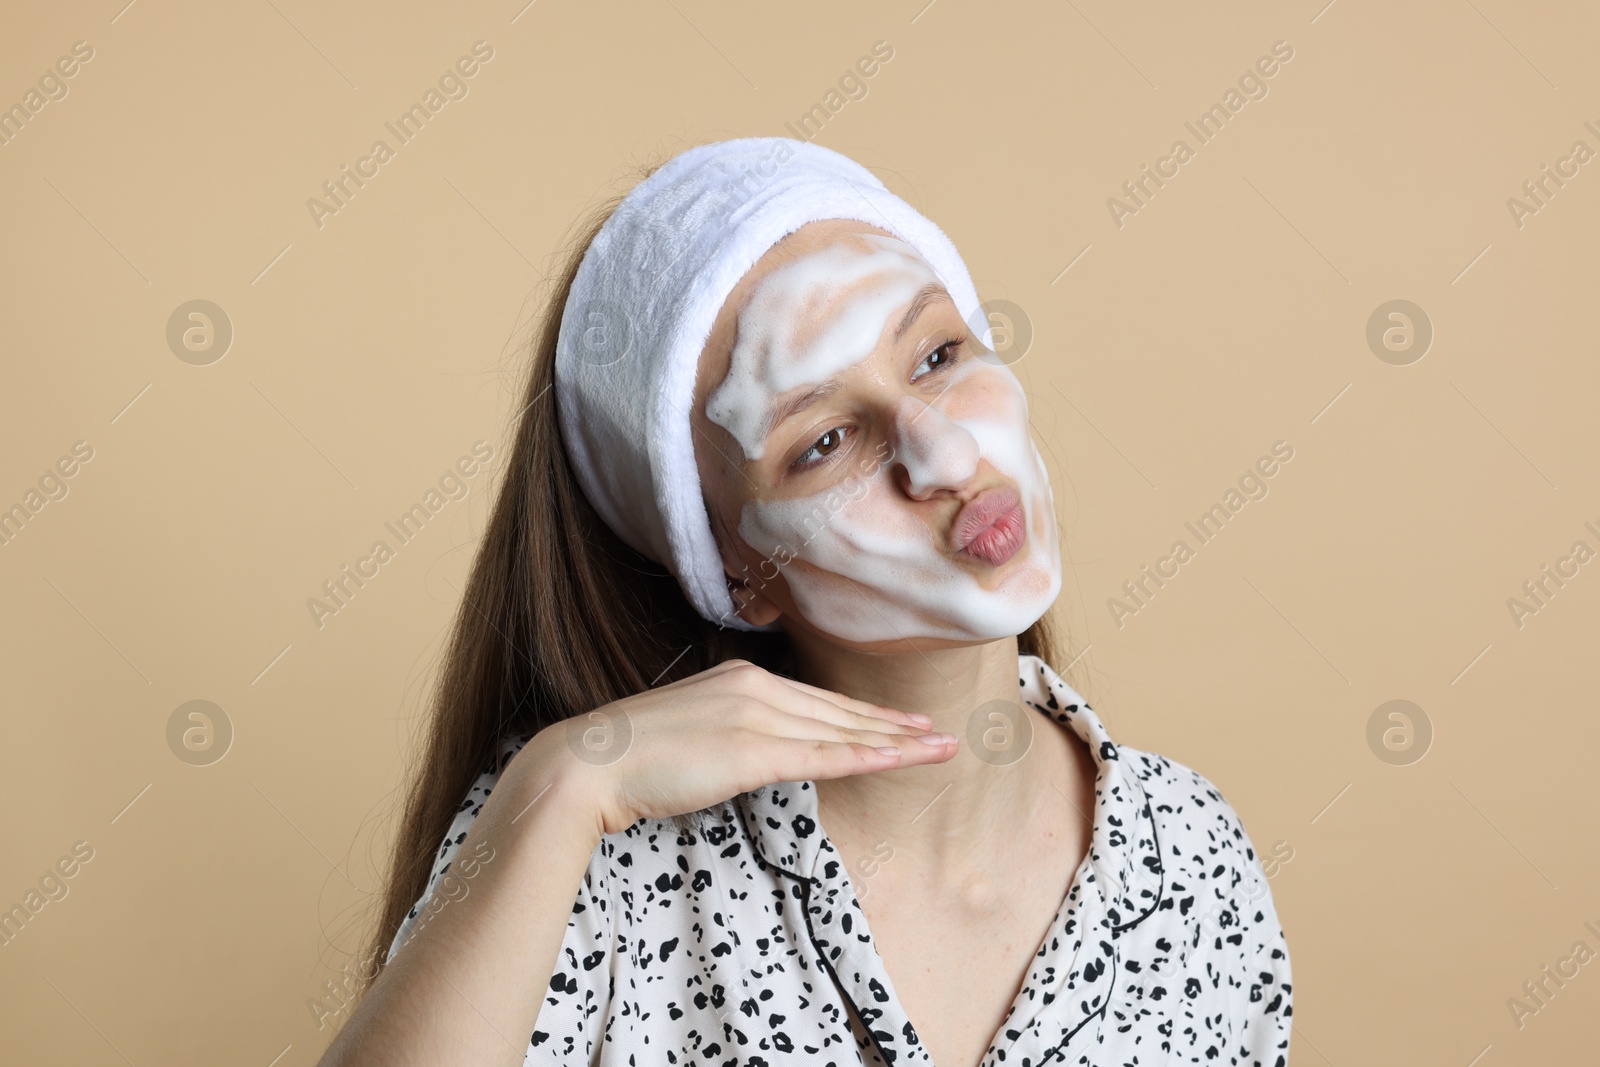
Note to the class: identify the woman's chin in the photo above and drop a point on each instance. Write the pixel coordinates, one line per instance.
(918, 644)
(971, 617)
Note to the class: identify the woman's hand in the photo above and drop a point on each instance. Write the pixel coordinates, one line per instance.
(477, 971)
(730, 729)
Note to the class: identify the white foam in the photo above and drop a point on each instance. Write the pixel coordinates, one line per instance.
(871, 569)
(777, 347)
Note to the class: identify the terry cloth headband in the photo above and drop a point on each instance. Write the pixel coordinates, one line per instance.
(642, 306)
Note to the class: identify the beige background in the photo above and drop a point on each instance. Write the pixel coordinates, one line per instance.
(1228, 313)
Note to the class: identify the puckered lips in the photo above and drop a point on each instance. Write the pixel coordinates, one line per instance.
(989, 528)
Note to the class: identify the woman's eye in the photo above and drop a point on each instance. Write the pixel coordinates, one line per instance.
(942, 356)
(823, 447)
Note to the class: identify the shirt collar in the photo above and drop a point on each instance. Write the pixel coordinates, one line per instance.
(1123, 849)
(1076, 965)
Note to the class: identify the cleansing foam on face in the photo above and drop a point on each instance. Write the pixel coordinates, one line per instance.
(877, 563)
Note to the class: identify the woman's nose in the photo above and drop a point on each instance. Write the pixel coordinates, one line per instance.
(935, 452)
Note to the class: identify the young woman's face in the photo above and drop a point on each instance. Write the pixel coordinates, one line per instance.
(867, 463)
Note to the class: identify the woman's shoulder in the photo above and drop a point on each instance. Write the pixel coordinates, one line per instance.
(472, 803)
(1193, 818)
(489, 773)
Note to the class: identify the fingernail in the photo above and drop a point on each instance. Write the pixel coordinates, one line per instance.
(936, 739)
(889, 750)
(920, 717)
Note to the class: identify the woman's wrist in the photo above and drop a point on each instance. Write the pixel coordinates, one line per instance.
(551, 787)
(538, 828)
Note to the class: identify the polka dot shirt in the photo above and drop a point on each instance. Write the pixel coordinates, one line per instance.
(745, 944)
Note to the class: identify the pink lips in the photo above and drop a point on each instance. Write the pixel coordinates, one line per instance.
(990, 526)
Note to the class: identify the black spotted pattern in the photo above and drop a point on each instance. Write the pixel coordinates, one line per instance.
(744, 945)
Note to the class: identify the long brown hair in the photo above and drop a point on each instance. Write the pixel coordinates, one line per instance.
(559, 617)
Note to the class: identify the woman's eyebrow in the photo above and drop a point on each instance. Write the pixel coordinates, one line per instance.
(925, 296)
(790, 408)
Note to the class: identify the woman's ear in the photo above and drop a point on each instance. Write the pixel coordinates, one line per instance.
(743, 587)
(751, 605)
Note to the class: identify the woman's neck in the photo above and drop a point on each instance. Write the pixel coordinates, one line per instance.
(955, 819)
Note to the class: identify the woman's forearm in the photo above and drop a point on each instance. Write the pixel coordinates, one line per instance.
(467, 985)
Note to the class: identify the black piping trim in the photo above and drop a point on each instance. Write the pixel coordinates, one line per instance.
(1161, 867)
(811, 934)
(1098, 1013)
(805, 904)
(1161, 885)
(805, 901)
(1116, 955)
(755, 850)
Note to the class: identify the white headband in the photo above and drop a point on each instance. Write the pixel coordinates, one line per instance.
(642, 306)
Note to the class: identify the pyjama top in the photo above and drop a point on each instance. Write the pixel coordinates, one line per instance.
(745, 945)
